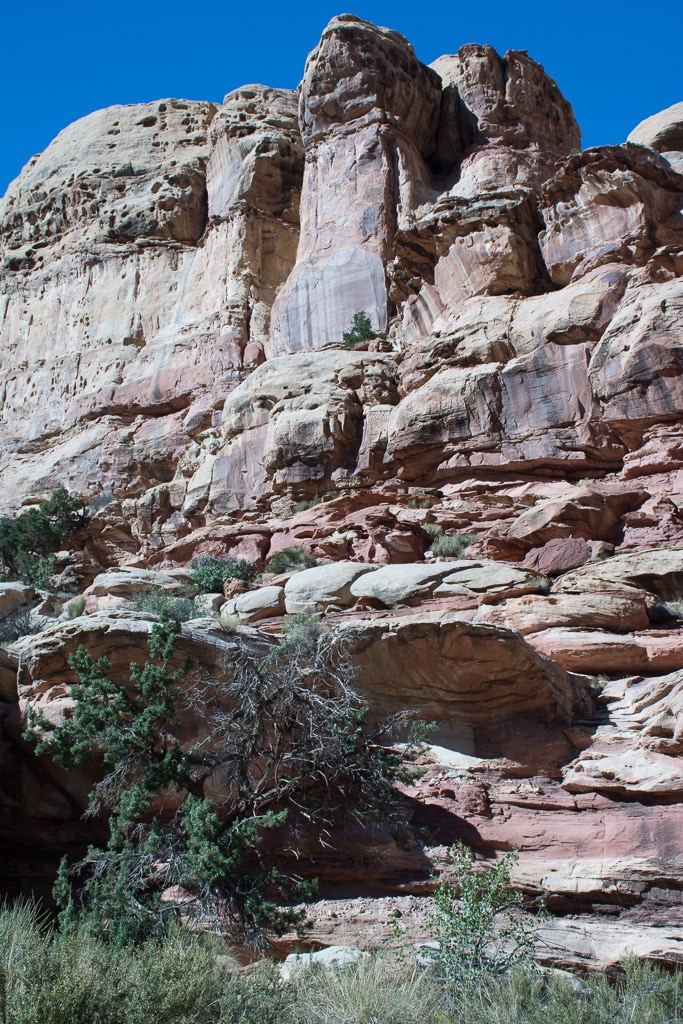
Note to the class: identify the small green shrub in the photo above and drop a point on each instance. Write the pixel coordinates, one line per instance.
(291, 560)
(209, 574)
(36, 570)
(162, 603)
(80, 979)
(646, 995)
(299, 634)
(675, 607)
(473, 924)
(255, 997)
(361, 330)
(75, 608)
(301, 506)
(432, 529)
(452, 545)
(28, 540)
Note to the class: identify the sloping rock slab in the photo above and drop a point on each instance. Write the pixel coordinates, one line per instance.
(617, 612)
(256, 604)
(595, 651)
(394, 585)
(658, 572)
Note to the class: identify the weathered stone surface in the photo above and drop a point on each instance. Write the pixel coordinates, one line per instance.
(333, 958)
(662, 131)
(659, 572)
(108, 178)
(582, 512)
(256, 153)
(257, 604)
(621, 202)
(128, 581)
(177, 278)
(13, 596)
(304, 415)
(615, 612)
(635, 370)
(368, 113)
(314, 590)
(160, 325)
(638, 752)
(459, 673)
(394, 585)
(554, 558)
(596, 651)
(503, 119)
(578, 944)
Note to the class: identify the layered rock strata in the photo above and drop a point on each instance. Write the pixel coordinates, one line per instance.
(492, 485)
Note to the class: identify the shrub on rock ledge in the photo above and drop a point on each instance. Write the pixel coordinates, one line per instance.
(209, 574)
(291, 560)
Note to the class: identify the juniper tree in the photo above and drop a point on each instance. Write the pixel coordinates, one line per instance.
(286, 739)
(28, 540)
(361, 330)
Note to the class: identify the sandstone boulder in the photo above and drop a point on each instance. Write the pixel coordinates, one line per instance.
(13, 596)
(208, 604)
(662, 131)
(582, 512)
(256, 153)
(393, 585)
(333, 958)
(315, 590)
(595, 652)
(127, 581)
(555, 557)
(460, 673)
(481, 578)
(255, 604)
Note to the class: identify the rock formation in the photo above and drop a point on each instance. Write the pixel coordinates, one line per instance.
(176, 280)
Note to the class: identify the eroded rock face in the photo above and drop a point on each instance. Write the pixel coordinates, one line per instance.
(502, 119)
(177, 245)
(117, 175)
(139, 341)
(176, 281)
(368, 111)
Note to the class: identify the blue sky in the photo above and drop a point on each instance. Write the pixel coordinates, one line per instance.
(617, 62)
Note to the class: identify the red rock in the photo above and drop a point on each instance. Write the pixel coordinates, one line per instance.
(558, 556)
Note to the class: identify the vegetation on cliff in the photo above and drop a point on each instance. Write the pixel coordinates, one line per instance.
(28, 541)
(284, 739)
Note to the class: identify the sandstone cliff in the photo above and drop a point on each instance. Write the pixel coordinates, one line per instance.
(176, 281)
